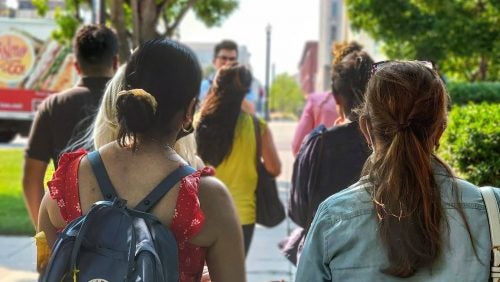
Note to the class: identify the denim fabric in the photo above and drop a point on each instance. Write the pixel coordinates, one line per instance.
(343, 243)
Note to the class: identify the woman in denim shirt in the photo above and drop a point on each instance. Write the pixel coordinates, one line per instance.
(408, 216)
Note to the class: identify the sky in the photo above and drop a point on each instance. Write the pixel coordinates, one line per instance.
(293, 22)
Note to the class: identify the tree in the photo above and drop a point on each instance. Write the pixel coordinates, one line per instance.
(286, 95)
(461, 36)
(137, 21)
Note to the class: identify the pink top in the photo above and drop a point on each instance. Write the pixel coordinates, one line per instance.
(320, 108)
(186, 223)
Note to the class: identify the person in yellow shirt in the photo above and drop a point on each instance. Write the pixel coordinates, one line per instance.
(226, 140)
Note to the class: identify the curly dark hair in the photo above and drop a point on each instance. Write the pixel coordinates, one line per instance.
(219, 113)
(349, 79)
(95, 46)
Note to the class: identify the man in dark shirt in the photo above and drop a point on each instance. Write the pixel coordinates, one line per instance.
(64, 117)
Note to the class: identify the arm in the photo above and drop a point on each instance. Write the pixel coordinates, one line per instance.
(33, 175)
(269, 153)
(305, 125)
(44, 220)
(225, 256)
(37, 158)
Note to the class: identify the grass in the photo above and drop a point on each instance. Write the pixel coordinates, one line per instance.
(14, 217)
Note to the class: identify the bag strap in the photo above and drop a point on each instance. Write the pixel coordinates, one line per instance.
(491, 204)
(107, 189)
(161, 189)
(152, 198)
(258, 139)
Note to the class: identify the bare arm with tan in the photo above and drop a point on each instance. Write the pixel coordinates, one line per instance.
(270, 154)
(48, 210)
(33, 175)
(225, 256)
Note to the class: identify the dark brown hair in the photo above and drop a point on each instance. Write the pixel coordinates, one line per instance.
(219, 113)
(95, 46)
(225, 44)
(170, 72)
(405, 111)
(349, 79)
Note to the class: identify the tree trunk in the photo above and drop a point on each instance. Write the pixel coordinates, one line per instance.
(170, 29)
(483, 68)
(148, 20)
(482, 72)
(118, 21)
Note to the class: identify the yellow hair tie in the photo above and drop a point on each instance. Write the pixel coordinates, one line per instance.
(141, 93)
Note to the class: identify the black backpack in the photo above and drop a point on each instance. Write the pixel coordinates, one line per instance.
(329, 160)
(304, 176)
(116, 243)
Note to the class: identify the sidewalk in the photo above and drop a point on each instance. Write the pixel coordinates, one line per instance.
(264, 262)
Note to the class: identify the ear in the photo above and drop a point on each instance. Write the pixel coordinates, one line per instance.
(338, 99)
(439, 133)
(77, 68)
(363, 126)
(116, 63)
(190, 110)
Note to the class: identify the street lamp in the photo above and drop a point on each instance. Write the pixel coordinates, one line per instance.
(268, 54)
(98, 11)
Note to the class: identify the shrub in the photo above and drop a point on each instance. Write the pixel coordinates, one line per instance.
(471, 143)
(462, 93)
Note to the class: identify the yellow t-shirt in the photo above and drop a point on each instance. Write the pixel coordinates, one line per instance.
(238, 170)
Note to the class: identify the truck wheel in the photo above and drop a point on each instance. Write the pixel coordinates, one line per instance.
(7, 136)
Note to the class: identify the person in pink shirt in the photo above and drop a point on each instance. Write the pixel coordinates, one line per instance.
(320, 108)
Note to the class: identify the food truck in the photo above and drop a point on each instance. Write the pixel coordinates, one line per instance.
(32, 66)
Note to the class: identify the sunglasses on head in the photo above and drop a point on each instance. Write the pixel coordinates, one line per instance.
(380, 65)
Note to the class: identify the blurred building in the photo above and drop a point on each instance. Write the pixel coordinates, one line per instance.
(308, 67)
(335, 27)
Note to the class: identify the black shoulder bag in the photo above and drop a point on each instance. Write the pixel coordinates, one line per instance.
(270, 209)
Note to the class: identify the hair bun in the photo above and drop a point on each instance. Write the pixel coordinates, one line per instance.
(136, 110)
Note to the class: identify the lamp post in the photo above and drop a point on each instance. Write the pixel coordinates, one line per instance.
(98, 11)
(268, 54)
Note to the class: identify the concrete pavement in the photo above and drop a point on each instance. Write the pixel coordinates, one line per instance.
(264, 262)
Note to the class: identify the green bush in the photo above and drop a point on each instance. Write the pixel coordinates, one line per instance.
(462, 92)
(471, 143)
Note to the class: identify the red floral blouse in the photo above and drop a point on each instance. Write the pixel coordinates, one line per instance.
(186, 223)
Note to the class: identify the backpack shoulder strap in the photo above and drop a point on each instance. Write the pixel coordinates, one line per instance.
(161, 189)
(494, 221)
(107, 189)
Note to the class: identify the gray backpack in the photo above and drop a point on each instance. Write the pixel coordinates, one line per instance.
(115, 243)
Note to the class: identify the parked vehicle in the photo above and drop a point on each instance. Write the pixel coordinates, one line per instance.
(32, 66)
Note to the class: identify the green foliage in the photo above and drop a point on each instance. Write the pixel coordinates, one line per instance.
(67, 24)
(171, 12)
(42, 6)
(463, 93)
(13, 214)
(212, 12)
(286, 96)
(463, 37)
(471, 143)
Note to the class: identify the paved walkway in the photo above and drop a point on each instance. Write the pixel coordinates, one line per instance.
(264, 262)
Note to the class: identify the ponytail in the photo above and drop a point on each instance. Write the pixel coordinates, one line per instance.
(407, 204)
(405, 112)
